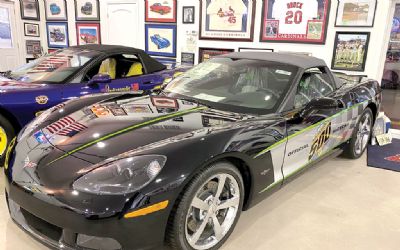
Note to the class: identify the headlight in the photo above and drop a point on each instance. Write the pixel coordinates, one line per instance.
(122, 176)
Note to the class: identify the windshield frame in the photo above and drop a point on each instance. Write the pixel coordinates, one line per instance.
(237, 108)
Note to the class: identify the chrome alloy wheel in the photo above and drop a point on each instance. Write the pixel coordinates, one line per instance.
(363, 133)
(212, 211)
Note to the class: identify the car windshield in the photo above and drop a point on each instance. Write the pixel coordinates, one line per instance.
(55, 67)
(238, 85)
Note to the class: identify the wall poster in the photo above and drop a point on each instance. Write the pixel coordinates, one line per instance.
(5, 29)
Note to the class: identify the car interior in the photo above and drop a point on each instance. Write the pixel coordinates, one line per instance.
(117, 66)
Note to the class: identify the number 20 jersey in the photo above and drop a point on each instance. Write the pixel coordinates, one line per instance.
(294, 15)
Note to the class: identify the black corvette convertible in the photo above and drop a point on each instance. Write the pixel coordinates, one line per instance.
(118, 171)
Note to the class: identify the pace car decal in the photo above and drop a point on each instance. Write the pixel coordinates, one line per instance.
(320, 140)
(128, 129)
(42, 99)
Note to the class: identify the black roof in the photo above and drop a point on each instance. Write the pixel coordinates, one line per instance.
(290, 59)
(150, 64)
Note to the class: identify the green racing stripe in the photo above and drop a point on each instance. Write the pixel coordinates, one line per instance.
(127, 129)
(307, 129)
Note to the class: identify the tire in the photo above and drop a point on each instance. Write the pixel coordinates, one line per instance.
(7, 132)
(185, 218)
(361, 136)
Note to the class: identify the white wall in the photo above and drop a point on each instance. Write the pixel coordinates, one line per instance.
(375, 58)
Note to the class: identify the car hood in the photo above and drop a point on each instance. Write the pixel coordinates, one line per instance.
(8, 85)
(110, 128)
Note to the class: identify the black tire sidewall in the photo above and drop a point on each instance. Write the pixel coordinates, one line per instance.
(192, 189)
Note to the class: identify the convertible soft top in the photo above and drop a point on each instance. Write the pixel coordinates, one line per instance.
(300, 61)
(151, 65)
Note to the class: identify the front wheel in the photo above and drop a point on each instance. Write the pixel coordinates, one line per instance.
(207, 212)
(361, 135)
(7, 133)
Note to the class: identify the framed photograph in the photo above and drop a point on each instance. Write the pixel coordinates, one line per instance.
(29, 9)
(160, 11)
(188, 14)
(355, 13)
(255, 50)
(88, 33)
(57, 34)
(187, 58)
(227, 20)
(6, 34)
(56, 10)
(33, 47)
(350, 51)
(31, 29)
(295, 22)
(206, 54)
(87, 10)
(160, 40)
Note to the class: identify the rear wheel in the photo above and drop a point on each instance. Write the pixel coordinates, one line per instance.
(361, 135)
(209, 209)
(7, 133)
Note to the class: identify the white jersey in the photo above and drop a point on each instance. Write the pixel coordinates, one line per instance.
(294, 15)
(226, 14)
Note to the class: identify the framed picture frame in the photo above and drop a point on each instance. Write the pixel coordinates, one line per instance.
(350, 51)
(288, 23)
(87, 10)
(29, 10)
(56, 10)
(188, 14)
(187, 58)
(160, 11)
(206, 54)
(88, 33)
(31, 29)
(160, 40)
(57, 34)
(33, 47)
(255, 50)
(227, 23)
(355, 13)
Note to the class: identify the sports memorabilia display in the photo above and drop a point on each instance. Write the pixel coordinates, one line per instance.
(31, 29)
(29, 9)
(88, 33)
(56, 10)
(301, 21)
(57, 34)
(187, 58)
(176, 168)
(350, 51)
(33, 47)
(206, 54)
(87, 10)
(160, 40)
(160, 11)
(356, 13)
(227, 20)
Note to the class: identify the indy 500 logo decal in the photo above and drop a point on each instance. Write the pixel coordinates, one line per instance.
(320, 140)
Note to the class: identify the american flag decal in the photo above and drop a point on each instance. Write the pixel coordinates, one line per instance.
(66, 126)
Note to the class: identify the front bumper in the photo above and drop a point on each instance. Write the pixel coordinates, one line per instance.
(61, 228)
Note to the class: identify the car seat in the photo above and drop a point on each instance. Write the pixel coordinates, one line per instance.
(108, 67)
(136, 69)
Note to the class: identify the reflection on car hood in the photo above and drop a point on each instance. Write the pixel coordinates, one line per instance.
(7, 85)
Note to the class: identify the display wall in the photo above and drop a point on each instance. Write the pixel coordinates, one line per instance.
(188, 33)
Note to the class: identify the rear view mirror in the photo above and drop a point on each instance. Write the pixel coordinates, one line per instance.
(100, 78)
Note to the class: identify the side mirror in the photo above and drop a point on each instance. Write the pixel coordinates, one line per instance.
(321, 104)
(99, 78)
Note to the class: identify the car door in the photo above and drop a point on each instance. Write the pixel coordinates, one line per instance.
(123, 77)
(313, 130)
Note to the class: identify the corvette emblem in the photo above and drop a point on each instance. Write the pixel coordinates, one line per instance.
(28, 163)
(42, 99)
